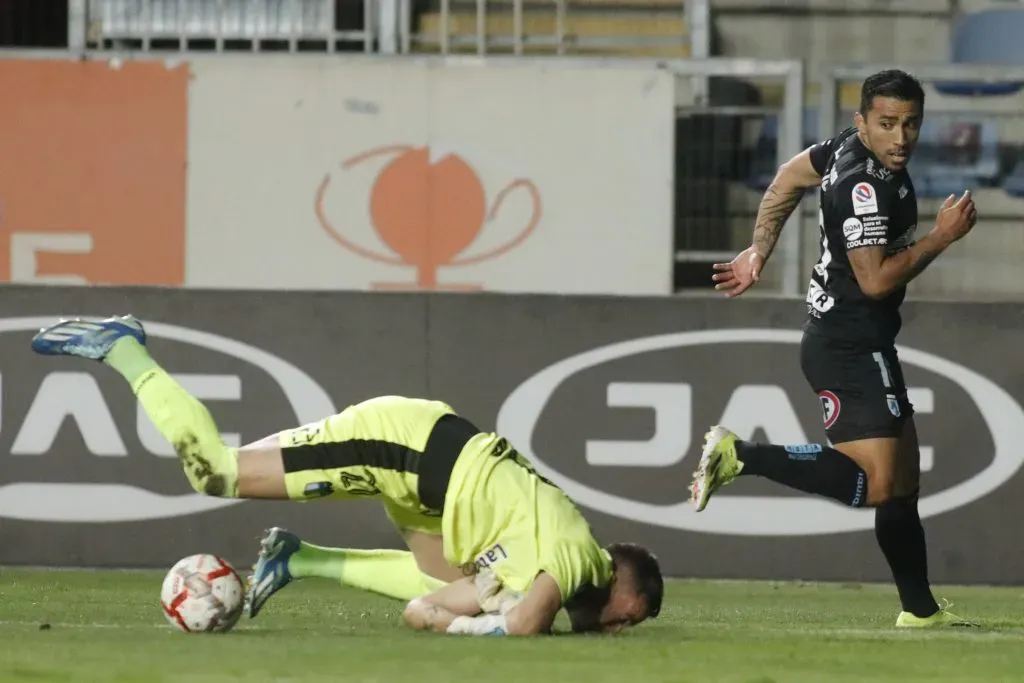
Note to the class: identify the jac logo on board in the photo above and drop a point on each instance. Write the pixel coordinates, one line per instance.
(620, 429)
(79, 447)
(428, 210)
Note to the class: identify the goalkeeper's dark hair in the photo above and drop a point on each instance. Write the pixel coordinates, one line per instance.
(899, 85)
(646, 573)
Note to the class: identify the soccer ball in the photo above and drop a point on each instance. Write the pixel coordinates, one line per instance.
(203, 593)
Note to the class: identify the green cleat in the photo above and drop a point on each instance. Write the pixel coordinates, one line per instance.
(941, 619)
(719, 466)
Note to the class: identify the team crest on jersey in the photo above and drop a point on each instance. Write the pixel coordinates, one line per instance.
(864, 199)
(829, 407)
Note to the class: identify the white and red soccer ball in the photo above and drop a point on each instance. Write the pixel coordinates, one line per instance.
(203, 594)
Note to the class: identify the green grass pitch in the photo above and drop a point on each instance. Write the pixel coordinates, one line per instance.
(107, 626)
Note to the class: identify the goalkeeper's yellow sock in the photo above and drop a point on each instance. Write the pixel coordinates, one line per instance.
(210, 465)
(392, 573)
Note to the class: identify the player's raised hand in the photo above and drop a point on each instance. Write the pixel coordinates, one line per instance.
(740, 274)
(956, 218)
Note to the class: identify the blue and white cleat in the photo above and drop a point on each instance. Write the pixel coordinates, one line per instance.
(90, 339)
(271, 571)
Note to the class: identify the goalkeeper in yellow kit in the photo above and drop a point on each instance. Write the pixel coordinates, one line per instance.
(464, 498)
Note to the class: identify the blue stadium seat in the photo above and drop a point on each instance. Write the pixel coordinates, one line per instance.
(1013, 184)
(988, 37)
(955, 153)
(765, 158)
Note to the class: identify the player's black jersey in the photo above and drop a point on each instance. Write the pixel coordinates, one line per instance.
(862, 204)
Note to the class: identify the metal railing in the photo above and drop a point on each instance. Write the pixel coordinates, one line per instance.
(559, 27)
(218, 25)
(717, 155)
(622, 28)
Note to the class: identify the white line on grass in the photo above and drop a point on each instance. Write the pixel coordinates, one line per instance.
(90, 625)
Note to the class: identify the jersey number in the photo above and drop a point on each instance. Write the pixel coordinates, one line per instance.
(359, 485)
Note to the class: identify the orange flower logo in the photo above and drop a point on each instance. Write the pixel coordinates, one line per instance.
(428, 213)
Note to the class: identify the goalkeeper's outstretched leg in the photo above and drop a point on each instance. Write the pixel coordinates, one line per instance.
(212, 467)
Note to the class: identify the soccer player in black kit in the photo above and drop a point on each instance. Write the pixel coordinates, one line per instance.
(868, 218)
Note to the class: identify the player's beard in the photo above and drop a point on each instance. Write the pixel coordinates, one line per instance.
(887, 154)
(584, 608)
(878, 147)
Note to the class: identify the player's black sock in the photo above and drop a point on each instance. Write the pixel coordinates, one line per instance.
(901, 537)
(811, 468)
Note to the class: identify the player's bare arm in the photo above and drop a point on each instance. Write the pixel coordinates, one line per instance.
(455, 609)
(879, 275)
(437, 611)
(424, 616)
(779, 201)
(536, 613)
(781, 198)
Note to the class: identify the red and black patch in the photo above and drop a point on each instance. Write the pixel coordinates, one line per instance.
(830, 407)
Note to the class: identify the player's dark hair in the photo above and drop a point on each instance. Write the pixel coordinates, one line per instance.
(646, 572)
(899, 85)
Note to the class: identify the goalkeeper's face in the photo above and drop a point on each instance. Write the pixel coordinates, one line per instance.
(607, 610)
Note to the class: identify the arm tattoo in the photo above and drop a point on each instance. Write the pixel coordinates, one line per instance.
(918, 266)
(776, 206)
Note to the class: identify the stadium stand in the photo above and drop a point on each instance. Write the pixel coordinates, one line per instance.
(623, 28)
(311, 25)
(1014, 181)
(987, 37)
(954, 154)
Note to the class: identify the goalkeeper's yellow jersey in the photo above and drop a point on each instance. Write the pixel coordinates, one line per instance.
(503, 516)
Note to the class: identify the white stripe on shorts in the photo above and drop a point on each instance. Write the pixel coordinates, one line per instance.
(883, 367)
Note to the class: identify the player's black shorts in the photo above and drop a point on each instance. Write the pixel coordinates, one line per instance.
(862, 391)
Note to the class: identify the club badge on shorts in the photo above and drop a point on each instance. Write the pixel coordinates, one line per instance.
(829, 407)
(894, 405)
